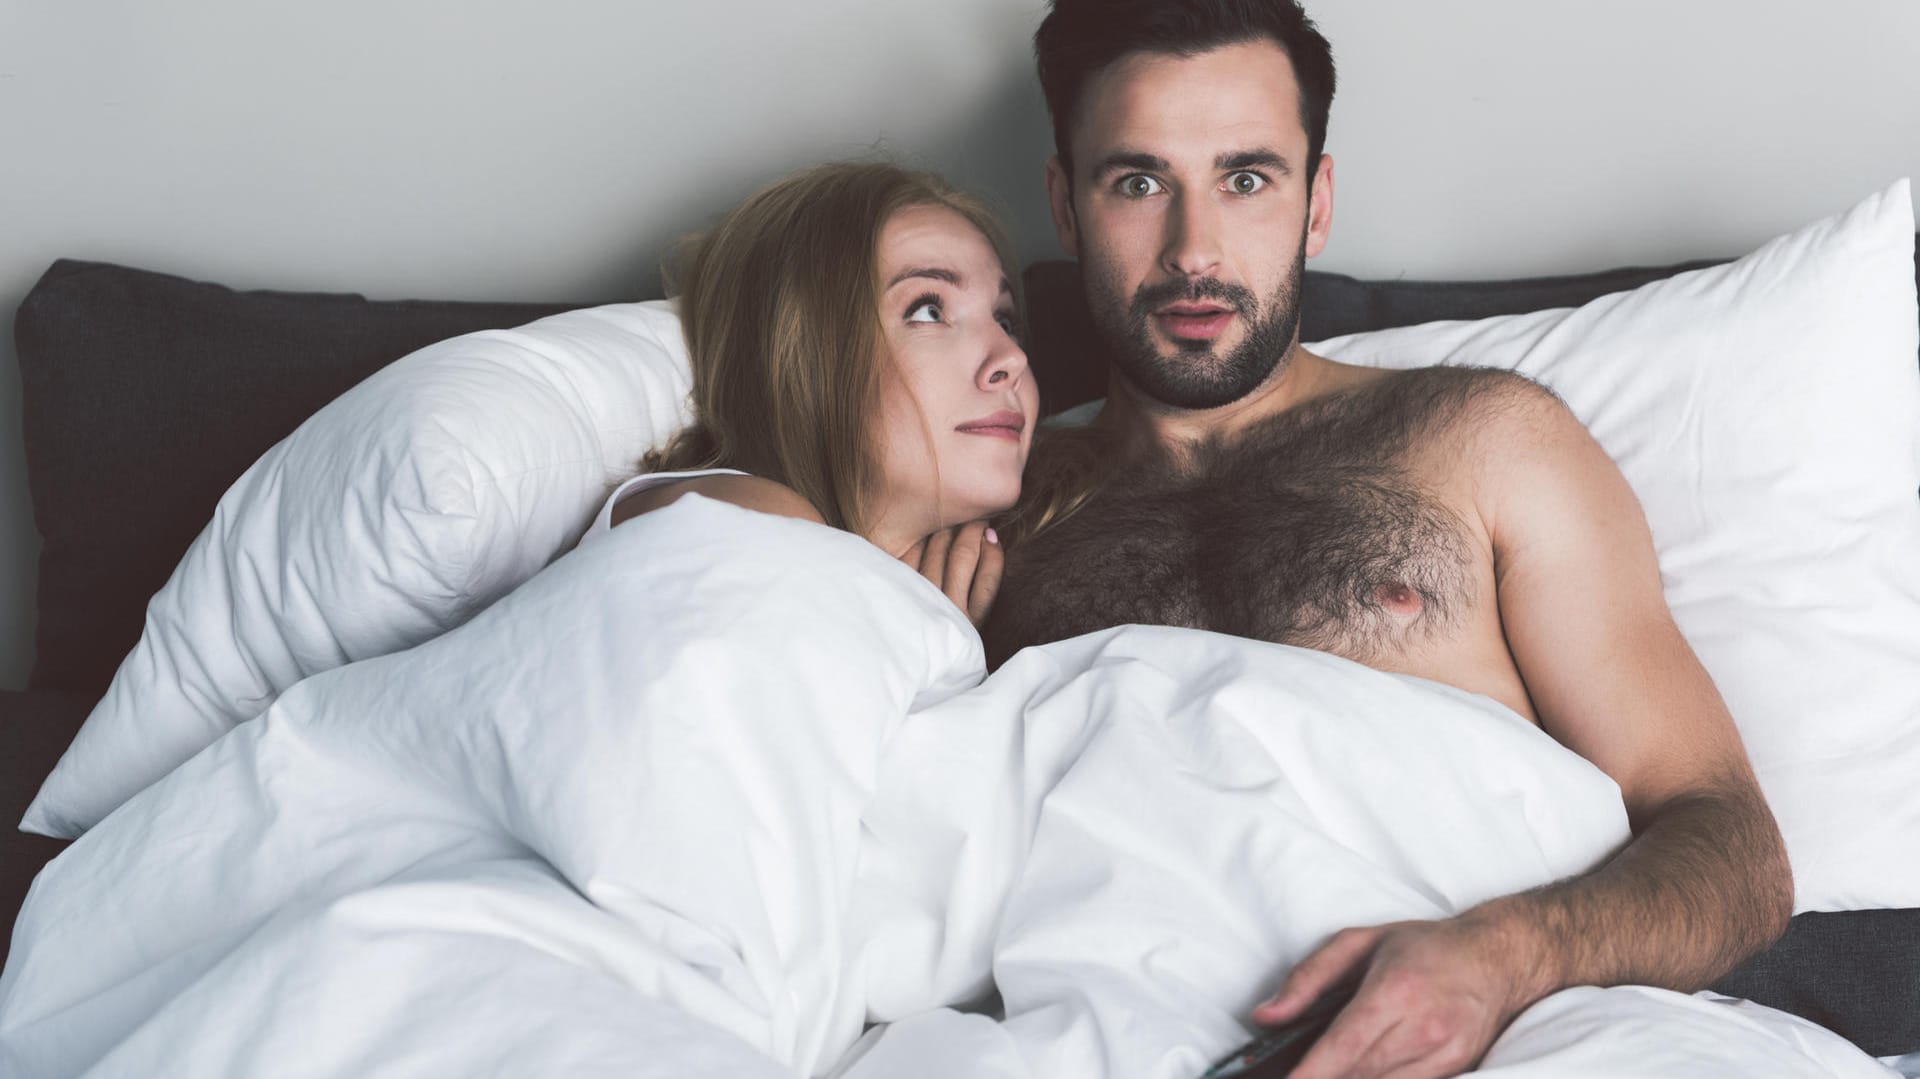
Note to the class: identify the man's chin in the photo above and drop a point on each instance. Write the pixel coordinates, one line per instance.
(1185, 353)
(1171, 381)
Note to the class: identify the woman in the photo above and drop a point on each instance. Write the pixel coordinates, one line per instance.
(852, 331)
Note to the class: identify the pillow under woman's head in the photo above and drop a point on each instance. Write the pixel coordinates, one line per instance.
(397, 511)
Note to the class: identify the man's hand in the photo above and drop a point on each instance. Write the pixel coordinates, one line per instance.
(1432, 998)
(965, 562)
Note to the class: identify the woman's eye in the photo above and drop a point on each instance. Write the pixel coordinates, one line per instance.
(1008, 323)
(924, 311)
(1246, 183)
(1139, 186)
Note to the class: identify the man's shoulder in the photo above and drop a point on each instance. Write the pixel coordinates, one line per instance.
(1415, 412)
(1475, 392)
(1512, 448)
(1476, 410)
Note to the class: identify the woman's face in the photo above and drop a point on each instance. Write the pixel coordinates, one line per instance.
(958, 406)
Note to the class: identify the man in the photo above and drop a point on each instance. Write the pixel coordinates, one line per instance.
(1456, 524)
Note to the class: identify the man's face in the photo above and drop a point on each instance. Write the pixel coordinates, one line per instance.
(1191, 215)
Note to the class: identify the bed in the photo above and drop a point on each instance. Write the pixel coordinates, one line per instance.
(147, 396)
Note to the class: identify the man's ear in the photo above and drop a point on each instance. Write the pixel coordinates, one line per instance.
(1320, 206)
(1060, 200)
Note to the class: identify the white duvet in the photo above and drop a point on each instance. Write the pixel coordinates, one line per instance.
(723, 794)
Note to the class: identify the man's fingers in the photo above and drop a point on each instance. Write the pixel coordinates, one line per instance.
(1402, 1054)
(1391, 1031)
(1331, 963)
(1356, 1046)
(1427, 1067)
(986, 579)
(915, 554)
(963, 557)
(1428, 1006)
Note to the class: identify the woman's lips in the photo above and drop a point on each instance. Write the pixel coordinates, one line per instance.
(1011, 434)
(1008, 425)
(1194, 324)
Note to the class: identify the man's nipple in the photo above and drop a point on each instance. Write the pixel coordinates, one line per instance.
(1398, 599)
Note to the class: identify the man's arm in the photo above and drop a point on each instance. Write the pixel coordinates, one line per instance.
(1705, 881)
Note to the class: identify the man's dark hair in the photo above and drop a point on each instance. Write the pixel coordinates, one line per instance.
(1080, 37)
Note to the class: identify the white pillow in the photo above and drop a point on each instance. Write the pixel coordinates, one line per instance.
(394, 513)
(1767, 413)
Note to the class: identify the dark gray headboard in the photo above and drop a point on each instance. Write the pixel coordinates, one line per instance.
(1071, 372)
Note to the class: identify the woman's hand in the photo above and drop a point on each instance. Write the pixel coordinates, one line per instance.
(965, 562)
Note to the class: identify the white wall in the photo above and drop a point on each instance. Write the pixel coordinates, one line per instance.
(1490, 138)
(487, 149)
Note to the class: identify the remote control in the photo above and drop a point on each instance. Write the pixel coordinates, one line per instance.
(1275, 1052)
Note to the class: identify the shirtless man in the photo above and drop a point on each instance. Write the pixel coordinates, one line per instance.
(1456, 524)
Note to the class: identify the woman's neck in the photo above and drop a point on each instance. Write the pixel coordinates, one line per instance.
(895, 541)
(897, 529)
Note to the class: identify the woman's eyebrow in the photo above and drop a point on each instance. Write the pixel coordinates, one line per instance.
(935, 273)
(939, 273)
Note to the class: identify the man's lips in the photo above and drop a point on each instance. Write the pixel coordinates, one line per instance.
(1198, 322)
(1004, 424)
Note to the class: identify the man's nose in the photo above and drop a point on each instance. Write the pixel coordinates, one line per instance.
(1193, 237)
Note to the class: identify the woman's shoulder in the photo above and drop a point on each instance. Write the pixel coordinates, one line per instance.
(643, 494)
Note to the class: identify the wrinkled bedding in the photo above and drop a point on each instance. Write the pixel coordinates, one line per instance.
(724, 794)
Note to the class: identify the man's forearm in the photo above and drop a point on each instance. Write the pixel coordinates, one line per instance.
(1702, 887)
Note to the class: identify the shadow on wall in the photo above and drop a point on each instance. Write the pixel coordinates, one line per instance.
(1001, 150)
(995, 147)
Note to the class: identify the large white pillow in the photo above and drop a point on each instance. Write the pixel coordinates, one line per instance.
(1767, 413)
(394, 513)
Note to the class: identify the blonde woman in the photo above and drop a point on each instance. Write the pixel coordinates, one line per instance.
(853, 334)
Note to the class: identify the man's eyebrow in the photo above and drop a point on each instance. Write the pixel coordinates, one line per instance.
(1130, 159)
(1253, 159)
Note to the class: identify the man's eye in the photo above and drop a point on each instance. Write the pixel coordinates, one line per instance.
(1139, 186)
(924, 311)
(1246, 183)
(1008, 323)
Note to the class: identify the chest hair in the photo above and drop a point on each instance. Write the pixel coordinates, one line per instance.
(1311, 528)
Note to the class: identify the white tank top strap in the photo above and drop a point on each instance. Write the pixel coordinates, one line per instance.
(604, 520)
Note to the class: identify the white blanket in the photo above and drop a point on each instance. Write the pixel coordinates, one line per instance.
(718, 790)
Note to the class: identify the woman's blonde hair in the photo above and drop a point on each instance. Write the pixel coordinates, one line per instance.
(780, 307)
(1068, 466)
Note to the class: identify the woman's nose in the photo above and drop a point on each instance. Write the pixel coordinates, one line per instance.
(1006, 362)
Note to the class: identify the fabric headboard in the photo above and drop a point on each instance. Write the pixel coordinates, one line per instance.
(145, 396)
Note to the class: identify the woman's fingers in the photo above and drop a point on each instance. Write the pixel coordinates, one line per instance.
(963, 558)
(933, 558)
(963, 563)
(986, 579)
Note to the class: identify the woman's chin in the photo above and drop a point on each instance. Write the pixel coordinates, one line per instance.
(983, 504)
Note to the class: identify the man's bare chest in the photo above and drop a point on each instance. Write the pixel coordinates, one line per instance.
(1317, 534)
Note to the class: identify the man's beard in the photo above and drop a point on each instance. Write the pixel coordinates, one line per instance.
(1194, 376)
